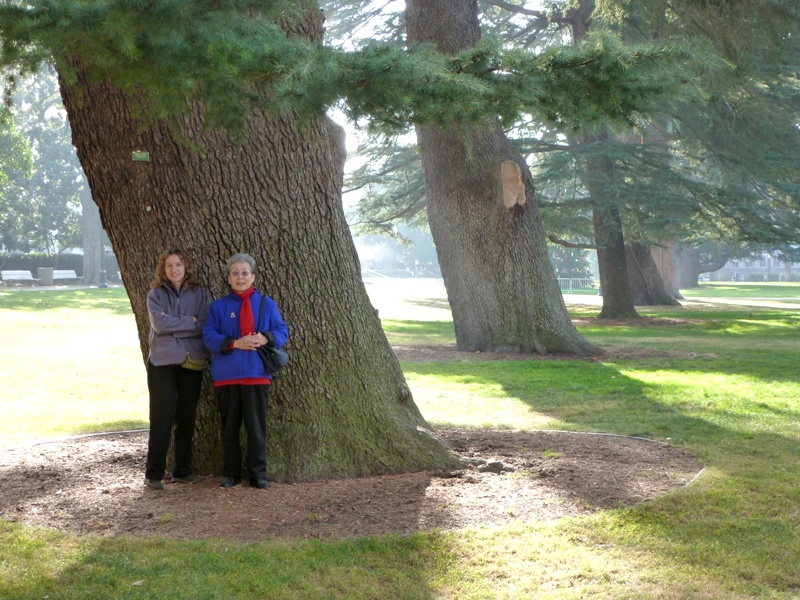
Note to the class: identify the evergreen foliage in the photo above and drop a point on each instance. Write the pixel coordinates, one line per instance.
(348, 23)
(390, 186)
(571, 263)
(233, 57)
(739, 150)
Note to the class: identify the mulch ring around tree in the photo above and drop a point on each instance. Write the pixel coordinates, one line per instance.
(94, 485)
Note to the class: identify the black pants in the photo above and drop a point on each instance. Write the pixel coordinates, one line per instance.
(174, 392)
(244, 404)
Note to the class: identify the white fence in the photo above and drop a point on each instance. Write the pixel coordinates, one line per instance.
(578, 286)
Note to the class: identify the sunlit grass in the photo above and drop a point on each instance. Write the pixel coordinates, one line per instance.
(714, 289)
(106, 300)
(419, 332)
(74, 362)
(466, 400)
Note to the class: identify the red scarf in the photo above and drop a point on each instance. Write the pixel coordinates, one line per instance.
(247, 324)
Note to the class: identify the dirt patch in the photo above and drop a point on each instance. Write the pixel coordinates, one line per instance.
(94, 485)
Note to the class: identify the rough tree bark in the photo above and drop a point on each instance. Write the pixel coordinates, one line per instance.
(342, 407)
(612, 263)
(484, 218)
(647, 286)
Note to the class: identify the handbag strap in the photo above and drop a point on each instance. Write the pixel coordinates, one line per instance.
(260, 310)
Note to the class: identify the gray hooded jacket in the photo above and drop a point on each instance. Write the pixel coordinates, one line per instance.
(173, 331)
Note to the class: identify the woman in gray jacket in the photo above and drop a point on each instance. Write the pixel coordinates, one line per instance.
(178, 308)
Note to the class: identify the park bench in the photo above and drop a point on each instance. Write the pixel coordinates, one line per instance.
(17, 276)
(64, 274)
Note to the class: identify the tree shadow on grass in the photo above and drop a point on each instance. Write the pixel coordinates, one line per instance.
(391, 566)
(735, 521)
(593, 396)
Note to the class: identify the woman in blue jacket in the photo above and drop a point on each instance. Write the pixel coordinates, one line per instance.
(177, 307)
(238, 324)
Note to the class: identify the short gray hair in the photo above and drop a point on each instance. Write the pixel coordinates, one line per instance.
(241, 258)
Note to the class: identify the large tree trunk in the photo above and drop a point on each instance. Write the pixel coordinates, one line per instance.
(92, 239)
(612, 264)
(342, 407)
(484, 218)
(666, 259)
(693, 261)
(688, 261)
(647, 287)
(606, 220)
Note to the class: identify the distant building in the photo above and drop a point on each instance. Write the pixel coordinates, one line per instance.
(765, 268)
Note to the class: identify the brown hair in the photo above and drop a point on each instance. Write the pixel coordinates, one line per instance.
(190, 279)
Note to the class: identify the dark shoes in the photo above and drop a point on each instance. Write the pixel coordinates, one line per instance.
(187, 479)
(260, 483)
(154, 484)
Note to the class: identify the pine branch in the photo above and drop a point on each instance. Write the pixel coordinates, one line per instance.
(516, 9)
(559, 242)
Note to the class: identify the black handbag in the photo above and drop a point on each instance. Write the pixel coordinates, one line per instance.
(274, 359)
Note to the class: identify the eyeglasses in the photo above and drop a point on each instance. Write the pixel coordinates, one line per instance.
(242, 273)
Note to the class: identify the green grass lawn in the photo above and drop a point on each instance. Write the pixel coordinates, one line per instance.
(732, 397)
(715, 289)
(71, 364)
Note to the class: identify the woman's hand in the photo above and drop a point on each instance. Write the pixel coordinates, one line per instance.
(250, 342)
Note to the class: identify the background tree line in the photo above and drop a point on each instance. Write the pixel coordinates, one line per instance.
(45, 204)
(718, 168)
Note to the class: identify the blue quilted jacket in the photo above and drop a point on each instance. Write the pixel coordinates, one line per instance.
(222, 328)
